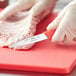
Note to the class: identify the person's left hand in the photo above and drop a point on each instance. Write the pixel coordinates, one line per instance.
(36, 7)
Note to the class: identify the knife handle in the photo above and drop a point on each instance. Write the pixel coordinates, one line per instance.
(49, 33)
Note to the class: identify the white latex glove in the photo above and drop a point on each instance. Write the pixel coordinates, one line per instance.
(37, 7)
(65, 23)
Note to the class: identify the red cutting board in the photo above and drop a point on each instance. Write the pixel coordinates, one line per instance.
(42, 57)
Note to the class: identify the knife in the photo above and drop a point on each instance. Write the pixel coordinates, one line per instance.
(37, 38)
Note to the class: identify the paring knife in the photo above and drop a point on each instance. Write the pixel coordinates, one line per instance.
(37, 38)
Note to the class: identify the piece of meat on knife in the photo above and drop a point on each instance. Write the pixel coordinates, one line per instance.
(19, 26)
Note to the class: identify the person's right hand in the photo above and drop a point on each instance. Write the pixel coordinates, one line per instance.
(65, 23)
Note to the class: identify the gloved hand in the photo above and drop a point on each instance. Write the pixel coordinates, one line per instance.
(65, 23)
(37, 7)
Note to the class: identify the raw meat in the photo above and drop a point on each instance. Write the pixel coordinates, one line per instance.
(19, 26)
